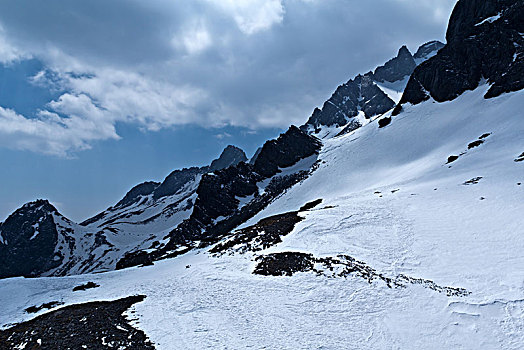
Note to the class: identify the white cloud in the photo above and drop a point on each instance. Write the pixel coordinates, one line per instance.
(9, 53)
(193, 39)
(52, 134)
(223, 135)
(252, 16)
(213, 63)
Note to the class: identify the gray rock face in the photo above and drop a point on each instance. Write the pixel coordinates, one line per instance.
(484, 42)
(231, 155)
(29, 238)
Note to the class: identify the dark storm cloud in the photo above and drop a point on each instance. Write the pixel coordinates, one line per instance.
(165, 63)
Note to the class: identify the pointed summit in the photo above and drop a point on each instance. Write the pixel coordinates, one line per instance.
(404, 52)
(397, 68)
(231, 155)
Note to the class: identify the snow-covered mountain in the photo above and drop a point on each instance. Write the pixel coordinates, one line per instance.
(154, 220)
(37, 240)
(404, 232)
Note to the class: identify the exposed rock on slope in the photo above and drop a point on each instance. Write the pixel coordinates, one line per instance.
(29, 237)
(94, 325)
(219, 194)
(484, 41)
(285, 151)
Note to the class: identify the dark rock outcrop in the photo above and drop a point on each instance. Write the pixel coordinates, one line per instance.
(231, 155)
(289, 263)
(219, 193)
(139, 258)
(285, 151)
(85, 286)
(284, 264)
(264, 234)
(484, 41)
(93, 325)
(29, 238)
(384, 122)
(397, 68)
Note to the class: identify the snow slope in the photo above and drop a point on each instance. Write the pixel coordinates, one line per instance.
(389, 200)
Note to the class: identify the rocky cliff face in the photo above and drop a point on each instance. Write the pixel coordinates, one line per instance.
(484, 42)
(285, 151)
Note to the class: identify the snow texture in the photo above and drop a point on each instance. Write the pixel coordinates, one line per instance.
(389, 200)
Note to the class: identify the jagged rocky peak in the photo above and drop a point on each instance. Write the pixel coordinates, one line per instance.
(231, 155)
(427, 50)
(16, 225)
(28, 239)
(367, 95)
(484, 42)
(175, 181)
(396, 68)
(357, 95)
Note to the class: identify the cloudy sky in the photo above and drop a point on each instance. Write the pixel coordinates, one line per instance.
(96, 96)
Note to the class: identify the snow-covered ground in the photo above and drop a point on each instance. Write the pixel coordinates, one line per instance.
(390, 200)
